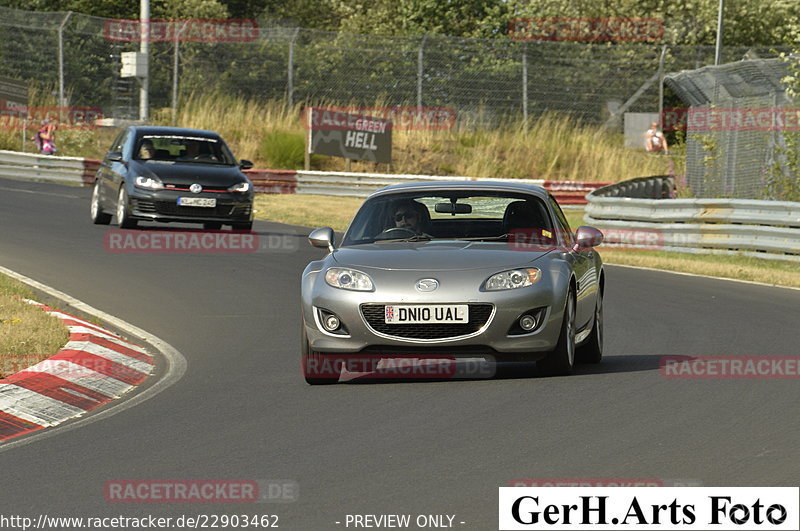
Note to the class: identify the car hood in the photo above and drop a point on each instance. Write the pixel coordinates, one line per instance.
(206, 175)
(434, 255)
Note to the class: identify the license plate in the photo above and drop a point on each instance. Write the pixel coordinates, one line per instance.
(426, 313)
(209, 202)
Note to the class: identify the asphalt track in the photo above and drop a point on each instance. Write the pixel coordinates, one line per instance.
(243, 411)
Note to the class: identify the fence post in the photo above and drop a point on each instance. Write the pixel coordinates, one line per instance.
(290, 72)
(62, 102)
(525, 83)
(661, 86)
(419, 71)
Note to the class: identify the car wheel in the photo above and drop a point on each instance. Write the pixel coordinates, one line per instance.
(311, 360)
(95, 210)
(243, 226)
(212, 225)
(124, 211)
(592, 350)
(562, 359)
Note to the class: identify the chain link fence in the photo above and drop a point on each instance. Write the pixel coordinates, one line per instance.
(489, 80)
(737, 127)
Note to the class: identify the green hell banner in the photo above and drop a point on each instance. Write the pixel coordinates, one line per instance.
(349, 134)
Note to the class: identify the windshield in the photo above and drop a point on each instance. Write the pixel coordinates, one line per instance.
(449, 215)
(175, 148)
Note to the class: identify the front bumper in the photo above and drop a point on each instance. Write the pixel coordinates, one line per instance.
(162, 205)
(491, 338)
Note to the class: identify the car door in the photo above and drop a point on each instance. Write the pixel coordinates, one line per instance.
(583, 266)
(112, 173)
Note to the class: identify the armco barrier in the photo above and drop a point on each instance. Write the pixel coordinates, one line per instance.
(81, 171)
(766, 229)
(350, 184)
(35, 167)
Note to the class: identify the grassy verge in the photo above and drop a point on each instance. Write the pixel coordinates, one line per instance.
(27, 334)
(308, 210)
(336, 212)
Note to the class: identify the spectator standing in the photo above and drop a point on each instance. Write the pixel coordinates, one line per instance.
(655, 141)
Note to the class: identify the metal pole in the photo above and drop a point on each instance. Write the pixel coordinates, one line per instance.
(419, 71)
(661, 87)
(62, 102)
(144, 49)
(718, 51)
(176, 55)
(525, 83)
(290, 72)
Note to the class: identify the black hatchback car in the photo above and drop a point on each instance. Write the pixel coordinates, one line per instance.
(172, 174)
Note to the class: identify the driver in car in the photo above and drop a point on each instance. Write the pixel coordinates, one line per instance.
(408, 215)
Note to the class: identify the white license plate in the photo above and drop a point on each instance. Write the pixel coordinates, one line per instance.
(209, 202)
(426, 313)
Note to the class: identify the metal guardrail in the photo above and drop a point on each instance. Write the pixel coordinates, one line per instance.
(350, 184)
(345, 184)
(29, 166)
(766, 229)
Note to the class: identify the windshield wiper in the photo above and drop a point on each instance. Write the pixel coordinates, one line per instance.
(417, 238)
(502, 237)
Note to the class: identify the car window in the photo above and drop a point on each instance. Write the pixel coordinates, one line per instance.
(183, 149)
(119, 142)
(482, 215)
(561, 220)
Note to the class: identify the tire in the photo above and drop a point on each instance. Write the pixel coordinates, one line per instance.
(243, 226)
(124, 211)
(562, 359)
(212, 225)
(592, 350)
(310, 356)
(95, 210)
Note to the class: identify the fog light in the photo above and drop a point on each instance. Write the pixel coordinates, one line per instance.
(527, 322)
(331, 322)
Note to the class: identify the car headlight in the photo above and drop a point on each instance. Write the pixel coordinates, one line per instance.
(516, 278)
(149, 182)
(240, 187)
(339, 277)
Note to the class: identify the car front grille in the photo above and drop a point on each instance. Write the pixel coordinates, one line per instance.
(170, 208)
(374, 314)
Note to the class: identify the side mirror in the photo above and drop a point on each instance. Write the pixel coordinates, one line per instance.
(245, 164)
(323, 238)
(587, 237)
(115, 156)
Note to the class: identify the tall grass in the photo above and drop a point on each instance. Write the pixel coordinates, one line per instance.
(272, 135)
(552, 147)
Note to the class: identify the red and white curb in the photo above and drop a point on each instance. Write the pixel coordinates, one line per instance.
(95, 367)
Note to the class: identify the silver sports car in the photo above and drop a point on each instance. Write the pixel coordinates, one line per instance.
(453, 270)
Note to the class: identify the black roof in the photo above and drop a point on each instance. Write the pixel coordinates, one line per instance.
(179, 131)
